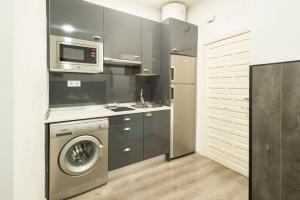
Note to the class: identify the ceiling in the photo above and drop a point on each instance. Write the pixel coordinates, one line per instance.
(159, 3)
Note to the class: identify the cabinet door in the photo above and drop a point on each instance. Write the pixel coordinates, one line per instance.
(290, 138)
(156, 133)
(266, 131)
(150, 47)
(125, 140)
(122, 35)
(76, 19)
(183, 38)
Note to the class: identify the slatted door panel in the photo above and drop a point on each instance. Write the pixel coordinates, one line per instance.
(227, 98)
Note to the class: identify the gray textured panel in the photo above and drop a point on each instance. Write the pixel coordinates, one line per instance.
(291, 132)
(266, 131)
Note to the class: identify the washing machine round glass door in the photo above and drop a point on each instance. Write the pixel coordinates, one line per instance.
(80, 155)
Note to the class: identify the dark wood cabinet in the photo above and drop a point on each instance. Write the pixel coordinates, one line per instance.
(290, 136)
(75, 19)
(122, 35)
(266, 130)
(151, 42)
(275, 126)
(156, 133)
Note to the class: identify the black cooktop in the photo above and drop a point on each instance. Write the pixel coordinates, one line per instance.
(119, 109)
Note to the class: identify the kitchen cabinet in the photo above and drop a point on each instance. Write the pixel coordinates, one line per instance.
(76, 19)
(122, 35)
(275, 151)
(150, 47)
(183, 38)
(156, 133)
(290, 137)
(266, 131)
(136, 137)
(125, 140)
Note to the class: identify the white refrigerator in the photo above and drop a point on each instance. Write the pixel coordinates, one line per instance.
(183, 99)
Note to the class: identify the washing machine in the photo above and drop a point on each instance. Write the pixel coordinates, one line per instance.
(78, 157)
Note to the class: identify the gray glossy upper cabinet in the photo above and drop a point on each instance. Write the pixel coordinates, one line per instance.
(150, 47)
(122, 35)
(76, 19)
(183, 38)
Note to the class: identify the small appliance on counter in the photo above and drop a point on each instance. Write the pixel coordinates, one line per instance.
(75, 55)
(78, 157)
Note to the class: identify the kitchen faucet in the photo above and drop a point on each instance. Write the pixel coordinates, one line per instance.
(142, 102)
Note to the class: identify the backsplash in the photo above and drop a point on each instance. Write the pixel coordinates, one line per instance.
(115, 85)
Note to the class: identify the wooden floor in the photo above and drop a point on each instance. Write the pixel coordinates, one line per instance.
(186, 178)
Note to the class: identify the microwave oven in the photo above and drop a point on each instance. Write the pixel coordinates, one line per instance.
(75, 55)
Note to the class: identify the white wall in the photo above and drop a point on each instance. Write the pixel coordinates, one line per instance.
(131, 7)
(231, 17)
(30, 99)
(30, 93)
(6, 95)
(276, 31)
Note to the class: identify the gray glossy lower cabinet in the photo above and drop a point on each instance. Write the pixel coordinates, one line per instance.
(156, 133)
(136, 137)
(275, 138)
(125, 140)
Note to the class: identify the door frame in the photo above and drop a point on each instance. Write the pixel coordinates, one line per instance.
(205, 82)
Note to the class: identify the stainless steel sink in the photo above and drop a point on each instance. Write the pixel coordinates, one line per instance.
(146, 105)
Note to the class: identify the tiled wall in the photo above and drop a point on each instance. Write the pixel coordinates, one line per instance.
(115, 85)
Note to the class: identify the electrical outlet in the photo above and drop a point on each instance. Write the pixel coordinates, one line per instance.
(73, 83)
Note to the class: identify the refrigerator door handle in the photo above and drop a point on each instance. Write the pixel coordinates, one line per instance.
(172, 93)
(172, 73)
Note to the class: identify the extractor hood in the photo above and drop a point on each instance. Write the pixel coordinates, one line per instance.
(113, 61)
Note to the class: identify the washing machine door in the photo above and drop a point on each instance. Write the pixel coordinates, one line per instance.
(80, 155)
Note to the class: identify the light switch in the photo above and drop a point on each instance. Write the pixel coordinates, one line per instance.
(73, 83)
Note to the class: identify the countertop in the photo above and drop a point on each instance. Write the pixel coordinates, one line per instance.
(94, 111)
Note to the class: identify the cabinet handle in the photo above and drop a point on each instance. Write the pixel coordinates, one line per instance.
(174, 49)
(148, 114)
(127, 119)
(127, 129)
(146, 70)
(97, 37)
(137, 56)
(127, 149)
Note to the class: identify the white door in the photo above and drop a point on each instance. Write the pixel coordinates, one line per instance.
(227, 101)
